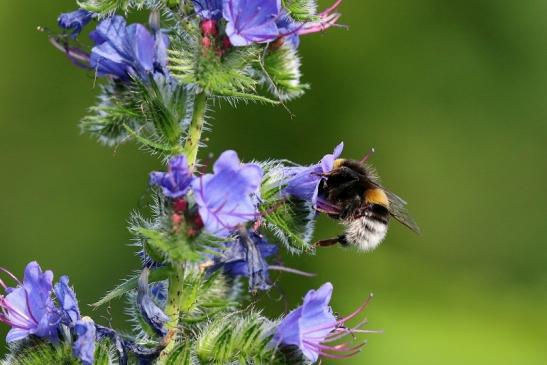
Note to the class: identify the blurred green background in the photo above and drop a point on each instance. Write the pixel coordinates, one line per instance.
(453, 96)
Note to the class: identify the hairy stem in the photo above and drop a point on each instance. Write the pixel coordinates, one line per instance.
(172, 309)
(193, 136)
(175, 301)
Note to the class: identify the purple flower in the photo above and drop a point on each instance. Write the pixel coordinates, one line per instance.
(84, 346)
(288, 29)
(246, 256)
(208, 9)
(312, 325)
(177, 180)
(251, 20)
(303, 181)
(227, 197)
(75, 21)
(123, 51)
(28, 308)
(149, 310)
(67, 299)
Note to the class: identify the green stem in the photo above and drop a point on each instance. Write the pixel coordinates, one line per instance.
(172, 309)
(175, 302)
(193, 136)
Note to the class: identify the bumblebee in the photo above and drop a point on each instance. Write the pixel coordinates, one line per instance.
(351, 193)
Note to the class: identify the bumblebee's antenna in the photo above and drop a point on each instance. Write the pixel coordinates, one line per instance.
(368, 155)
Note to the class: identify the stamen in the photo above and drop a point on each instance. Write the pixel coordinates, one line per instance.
(10, 275)
(367, 156)
(330, 9)
(14, 311)
(291, 270)
(10, 323)
(343, 347)
(73, 53)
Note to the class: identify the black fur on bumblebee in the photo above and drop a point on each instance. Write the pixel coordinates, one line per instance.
(351, 193)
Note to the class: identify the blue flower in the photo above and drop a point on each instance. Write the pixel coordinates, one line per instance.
(208, 9)
(124, 51)
(28, 308)
(227, 198)
(67, 299)
(177, 180)
(84, 346)
(251, 21)
(303, 181)
(75, 21)
(246, 256)
(312, 325)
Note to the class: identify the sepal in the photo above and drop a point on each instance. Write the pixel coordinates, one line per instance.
(301, 10)
(282, 72)
(234, 338)
(291, 221)
(34, 352)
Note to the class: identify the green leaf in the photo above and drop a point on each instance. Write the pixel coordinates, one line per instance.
(181, 355)
(173, 248)
(152, 112)
(203, 296)
(35, 352)
(231, 76)
(104, 353)
(108, 7)
(233, 96)
(130, 284)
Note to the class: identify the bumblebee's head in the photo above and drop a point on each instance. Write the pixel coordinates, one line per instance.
(339, 162)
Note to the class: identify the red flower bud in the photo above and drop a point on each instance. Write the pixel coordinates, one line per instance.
(180, 205)
(206, 42)
(176, 219)
(226, 44)
(209, 27)
(198, 222)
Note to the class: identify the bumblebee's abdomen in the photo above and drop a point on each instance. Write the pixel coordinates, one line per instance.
(368, 231)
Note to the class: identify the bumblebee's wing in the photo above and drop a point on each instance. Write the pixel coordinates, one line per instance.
(397, 209)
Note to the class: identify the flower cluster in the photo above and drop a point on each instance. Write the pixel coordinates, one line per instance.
(225, 199)
(206, 232)
(30, 310)
(259, 21)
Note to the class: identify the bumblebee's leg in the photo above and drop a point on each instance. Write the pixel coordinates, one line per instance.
(331, 241)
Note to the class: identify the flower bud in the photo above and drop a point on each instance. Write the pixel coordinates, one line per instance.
(206, 42)
(209, 27)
